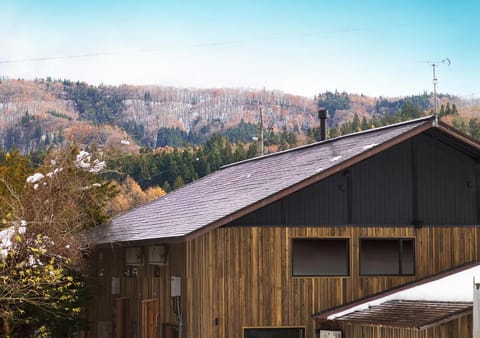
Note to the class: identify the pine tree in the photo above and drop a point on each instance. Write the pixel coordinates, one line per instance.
(355, 123)
(364, 125)
(178, 183)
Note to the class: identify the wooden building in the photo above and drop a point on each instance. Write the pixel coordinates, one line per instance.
(258, 247)
(435, 307)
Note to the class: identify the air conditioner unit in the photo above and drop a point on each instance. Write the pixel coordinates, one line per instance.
(157, 255)
(330, 334)
(133, 256)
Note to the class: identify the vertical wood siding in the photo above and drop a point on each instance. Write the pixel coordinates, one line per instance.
(241, 277)
(137, 289)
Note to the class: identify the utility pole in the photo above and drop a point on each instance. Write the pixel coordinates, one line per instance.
(261, 151)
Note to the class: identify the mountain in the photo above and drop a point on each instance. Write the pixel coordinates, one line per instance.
(35, 114)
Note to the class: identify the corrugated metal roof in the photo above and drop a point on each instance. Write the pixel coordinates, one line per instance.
(408, 313)
(226, 192)
(458, 282)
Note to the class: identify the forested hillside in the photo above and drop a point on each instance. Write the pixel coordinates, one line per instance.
(168, 137)
(38, 114)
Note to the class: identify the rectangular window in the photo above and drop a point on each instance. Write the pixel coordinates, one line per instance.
(277, 332)
(320, 257)
(387, 256)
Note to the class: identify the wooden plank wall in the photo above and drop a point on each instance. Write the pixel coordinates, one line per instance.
(241, 276)
(108, 263)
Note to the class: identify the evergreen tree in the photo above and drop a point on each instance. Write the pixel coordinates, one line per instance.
(178, 183)
(355, 123)
(239, 154)
(334, 132)
(454, 109)
(442, 111)
(166, 187)
(474, 127)
(364, 125)
(252, 150)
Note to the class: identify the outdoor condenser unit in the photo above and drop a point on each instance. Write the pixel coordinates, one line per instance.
(133, 256)
(157, 255)
(330, 334)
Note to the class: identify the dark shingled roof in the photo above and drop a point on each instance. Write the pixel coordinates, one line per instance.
(233, 190)
(409, 313)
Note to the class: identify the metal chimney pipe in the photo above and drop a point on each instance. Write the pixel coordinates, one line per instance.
(322, 115)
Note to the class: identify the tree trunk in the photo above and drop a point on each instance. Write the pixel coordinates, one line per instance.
(5, 327)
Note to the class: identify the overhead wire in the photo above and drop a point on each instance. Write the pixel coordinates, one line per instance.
(165, 49)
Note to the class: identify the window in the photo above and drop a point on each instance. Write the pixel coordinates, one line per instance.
(277, 332)
(387, 256)
(320, 257)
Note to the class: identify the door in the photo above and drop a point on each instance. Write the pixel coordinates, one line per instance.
(149, 319)
(122, 317)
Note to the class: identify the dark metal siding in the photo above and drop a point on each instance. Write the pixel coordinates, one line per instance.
(325, 202)
(268, 215)
(382, 188)
(322, 203)
(446, 184)
(420, 181)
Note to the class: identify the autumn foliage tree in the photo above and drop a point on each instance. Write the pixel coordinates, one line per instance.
(44, 215)
(130, 195)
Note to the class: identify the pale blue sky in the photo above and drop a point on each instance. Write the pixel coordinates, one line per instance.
(303, 47)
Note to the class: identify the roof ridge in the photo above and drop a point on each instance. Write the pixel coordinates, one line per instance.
(314, 144)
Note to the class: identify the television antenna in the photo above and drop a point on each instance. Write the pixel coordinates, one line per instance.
(435, 81)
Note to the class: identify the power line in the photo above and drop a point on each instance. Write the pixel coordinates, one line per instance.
(166, 49)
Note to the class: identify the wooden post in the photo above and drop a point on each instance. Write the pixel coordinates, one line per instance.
(476, 309)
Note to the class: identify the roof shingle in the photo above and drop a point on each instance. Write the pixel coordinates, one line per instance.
(240, 185)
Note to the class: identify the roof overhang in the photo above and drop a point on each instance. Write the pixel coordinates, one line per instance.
(418, 314)
(339, 310)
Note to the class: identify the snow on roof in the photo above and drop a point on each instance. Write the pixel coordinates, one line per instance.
(224, 195)
(456, 287)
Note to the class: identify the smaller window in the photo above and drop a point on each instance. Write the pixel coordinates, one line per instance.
(320, 257)
(387, 256)
(275, 332)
